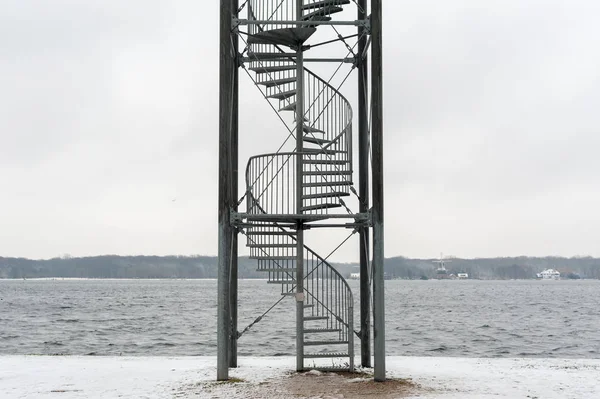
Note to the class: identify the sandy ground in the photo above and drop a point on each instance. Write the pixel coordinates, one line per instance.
(67, 377)
(310, 385)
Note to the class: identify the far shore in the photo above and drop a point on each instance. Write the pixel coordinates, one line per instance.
(263, 279)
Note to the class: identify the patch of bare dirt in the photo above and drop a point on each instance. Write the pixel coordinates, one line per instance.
(310, 385)
(346, 386)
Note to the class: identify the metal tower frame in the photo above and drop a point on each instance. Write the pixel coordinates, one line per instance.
(272, 234)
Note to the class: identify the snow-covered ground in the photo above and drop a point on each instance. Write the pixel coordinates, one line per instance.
(69, 377)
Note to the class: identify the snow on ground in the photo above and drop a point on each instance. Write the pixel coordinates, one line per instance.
(67, 377)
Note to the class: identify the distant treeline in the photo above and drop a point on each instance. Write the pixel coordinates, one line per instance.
(112, 266)
(522, 267)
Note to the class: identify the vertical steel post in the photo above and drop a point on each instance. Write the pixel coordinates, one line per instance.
(378, 228)
(226, 71)
(299, 191)
(363, 190)
(233, 281)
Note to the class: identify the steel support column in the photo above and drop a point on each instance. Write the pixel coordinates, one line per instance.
(226, 199)
(378, 228)
(233, 286)
(299, 191)
(363, 181)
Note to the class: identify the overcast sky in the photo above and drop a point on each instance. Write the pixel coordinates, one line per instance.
(108, 128)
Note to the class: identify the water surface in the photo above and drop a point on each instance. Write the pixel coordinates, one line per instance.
(178, 317)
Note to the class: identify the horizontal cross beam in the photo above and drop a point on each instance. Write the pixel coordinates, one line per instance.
(238, 218)
(348, 60)
(364, 23)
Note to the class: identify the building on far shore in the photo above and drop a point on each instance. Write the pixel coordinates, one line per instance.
(549, 274)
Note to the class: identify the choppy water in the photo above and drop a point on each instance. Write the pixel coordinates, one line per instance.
(178, 317)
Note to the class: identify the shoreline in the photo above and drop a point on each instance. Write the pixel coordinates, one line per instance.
(262, 279)
(274, 377)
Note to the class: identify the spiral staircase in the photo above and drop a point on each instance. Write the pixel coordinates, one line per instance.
(286, 191)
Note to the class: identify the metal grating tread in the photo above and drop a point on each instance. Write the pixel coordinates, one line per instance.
(289, 107)
(272, 245)
(271, 69)
(281, 282)
(315, 140)
(309, 161)
(318, 207)
(274, 257)
(333, 194)
(325, 3)
(328, 184)
(319, 151)
(270, 56)
(277, 82)
(321, 330)
(329, 173)
(290, 37)
(271, 233)
(320, 18)
(277, 218)
(278, 270)
(322, 12)
(325, 354)
(312, 318)
(311, 129)
(282, 95)
(320, 343)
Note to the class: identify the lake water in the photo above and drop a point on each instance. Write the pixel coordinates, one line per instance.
(178, 317)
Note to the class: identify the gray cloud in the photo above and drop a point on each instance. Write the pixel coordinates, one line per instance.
(108, 113)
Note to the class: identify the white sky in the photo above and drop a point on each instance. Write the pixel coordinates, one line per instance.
(108, 128)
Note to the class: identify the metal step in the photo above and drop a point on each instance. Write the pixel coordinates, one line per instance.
(320, 343)
(282, 95)
(328, 184)
(281, 282)
(310, 129)
(326, 195)
(271, 245)
(271, 233)
(319, 18)
(278, 270)
(325, 354)
(319, 151)
(312, 318)
(321, 206)
(289, 107)
(279, 217)
(308, 306)
(325, 3)
(329, 173)
(321, 330)
(309, 161)
(277, 82)
(290, 37)
(274, 257)
(288, 294)
(323, 11)
(271, 69)
(315, 140)
(270, 56)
